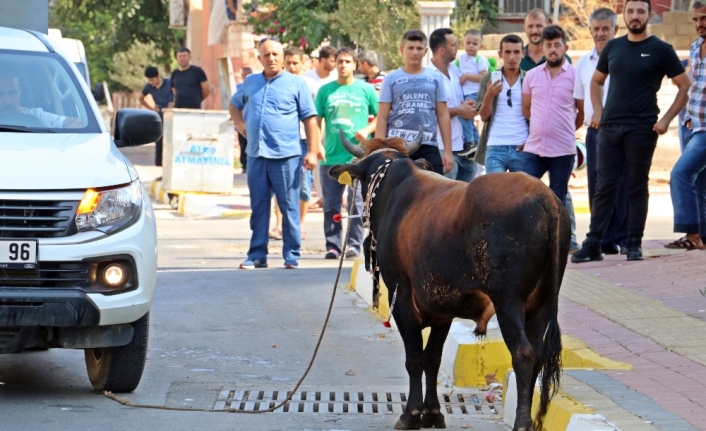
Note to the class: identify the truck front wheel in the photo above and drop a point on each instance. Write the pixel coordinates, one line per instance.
(119, 369)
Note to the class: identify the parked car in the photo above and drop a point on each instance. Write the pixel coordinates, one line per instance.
(78, 247)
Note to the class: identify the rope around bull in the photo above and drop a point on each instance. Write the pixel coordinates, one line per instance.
(126, 402)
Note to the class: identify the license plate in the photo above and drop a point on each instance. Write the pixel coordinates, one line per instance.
(18, 254)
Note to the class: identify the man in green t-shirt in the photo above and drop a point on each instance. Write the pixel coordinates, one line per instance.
(350, 106)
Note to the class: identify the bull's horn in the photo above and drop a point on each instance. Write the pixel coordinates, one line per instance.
(416, 143)
(352, 148)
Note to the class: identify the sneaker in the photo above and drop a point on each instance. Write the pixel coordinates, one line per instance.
(252, 264)
(590, 251)
(468, 149)
(634, 247)
(352, 253)
(610, 249)
(291, 264)
(332, 254)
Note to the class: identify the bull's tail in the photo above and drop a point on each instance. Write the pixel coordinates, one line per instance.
(559, 229)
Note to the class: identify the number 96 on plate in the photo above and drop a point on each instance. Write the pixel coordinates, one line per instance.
(18, 254)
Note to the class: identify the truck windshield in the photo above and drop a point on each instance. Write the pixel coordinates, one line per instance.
(39, 93)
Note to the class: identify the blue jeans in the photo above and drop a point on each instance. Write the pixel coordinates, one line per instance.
(502, 158)
(305, 185)
(332, 192)
(463, 170)
(617, 232)
(280, 177)
(559, 169)
(470, 131)
(688, 185)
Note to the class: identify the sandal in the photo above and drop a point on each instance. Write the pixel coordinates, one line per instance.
(276, 234)
(683, 243)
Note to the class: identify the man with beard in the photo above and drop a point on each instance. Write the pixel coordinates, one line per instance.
(548, 102)
(628, 125)
(603, 24)
(443, 48)
(688, 180)
(535, 22)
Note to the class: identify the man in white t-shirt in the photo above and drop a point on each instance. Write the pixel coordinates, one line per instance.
(324, 73)
(443, 47)
(325, 70)
(500, 108)
(603, 24)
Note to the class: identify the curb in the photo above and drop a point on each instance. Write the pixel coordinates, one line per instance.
(192, 205)
(469, 359)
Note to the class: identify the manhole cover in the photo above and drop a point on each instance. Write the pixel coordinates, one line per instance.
(312, 401)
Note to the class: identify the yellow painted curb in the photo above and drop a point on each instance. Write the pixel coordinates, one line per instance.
(354, 272)
(559, 412)
(236, 214)
(474, 361)
(576, 354)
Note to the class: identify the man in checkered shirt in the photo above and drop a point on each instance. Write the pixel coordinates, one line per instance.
(688, 179)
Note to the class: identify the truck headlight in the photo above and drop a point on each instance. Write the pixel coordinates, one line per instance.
(109, 210)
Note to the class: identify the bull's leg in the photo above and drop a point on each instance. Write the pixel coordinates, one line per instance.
(411, 332)
(431, 413)
(512, 326)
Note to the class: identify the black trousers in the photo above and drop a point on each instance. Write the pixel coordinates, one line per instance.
(158, 144)
(243, 156)
(622, 148)
(431, 154)
(617, 232)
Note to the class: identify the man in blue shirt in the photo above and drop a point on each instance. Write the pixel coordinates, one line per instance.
(276, 101)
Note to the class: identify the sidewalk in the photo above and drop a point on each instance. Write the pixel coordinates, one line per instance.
(652, 315)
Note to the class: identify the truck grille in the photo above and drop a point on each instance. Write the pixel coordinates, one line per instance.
(37, 219)
(50, 275)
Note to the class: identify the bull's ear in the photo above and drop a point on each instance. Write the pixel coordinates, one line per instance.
(354, 170)
(424, 164)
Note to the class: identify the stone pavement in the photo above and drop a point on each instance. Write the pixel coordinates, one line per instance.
(652, 315)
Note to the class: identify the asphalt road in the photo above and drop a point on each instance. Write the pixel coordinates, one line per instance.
(216, 328)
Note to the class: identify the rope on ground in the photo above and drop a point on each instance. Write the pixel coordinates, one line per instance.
(126, 402)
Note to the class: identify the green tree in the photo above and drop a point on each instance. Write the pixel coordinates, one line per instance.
(110, 27)
(296, 22)
(377, 25)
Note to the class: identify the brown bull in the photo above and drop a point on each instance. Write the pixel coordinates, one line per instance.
(448, 249)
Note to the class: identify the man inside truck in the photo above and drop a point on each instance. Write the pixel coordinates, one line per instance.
(10, 99)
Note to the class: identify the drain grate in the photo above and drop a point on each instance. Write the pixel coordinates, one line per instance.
(313, 401)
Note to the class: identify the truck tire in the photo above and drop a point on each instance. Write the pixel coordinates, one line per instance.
(119, 369)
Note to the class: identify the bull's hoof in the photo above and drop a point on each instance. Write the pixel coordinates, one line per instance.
(433, 420)
(409, 422)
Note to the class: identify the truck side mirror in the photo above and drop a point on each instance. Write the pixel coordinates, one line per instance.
(98, 92)
(135, 127)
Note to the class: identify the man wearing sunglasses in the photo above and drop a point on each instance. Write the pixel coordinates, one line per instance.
(500, 108)
(555, 115)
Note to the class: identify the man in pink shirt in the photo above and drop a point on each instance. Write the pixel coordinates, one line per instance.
(548, 102)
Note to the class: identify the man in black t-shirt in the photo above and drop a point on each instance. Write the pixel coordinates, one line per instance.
(188, 82)
(161, 92)
(628, 125)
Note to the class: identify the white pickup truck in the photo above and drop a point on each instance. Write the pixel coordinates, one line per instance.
(78, 247)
